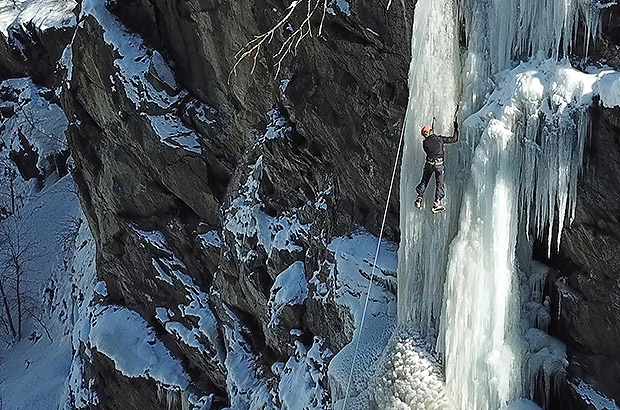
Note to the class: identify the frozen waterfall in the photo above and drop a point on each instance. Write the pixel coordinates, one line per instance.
(463, 275)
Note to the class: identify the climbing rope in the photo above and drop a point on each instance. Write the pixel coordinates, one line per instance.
(374, 265)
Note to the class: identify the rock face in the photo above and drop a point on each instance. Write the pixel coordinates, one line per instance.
(245, 186)
(585, 288)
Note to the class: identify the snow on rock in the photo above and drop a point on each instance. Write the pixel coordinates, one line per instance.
(289, 288)
(347, 284)
(608, 88)
(278, 126)
(30, 126)
(603, 4)
(170, 269)
(246, 218)
(43, 123)
(125, 337)
(79, 393)
(297, 384)
(44, 14)
(247, 387)
(146, 79)
(66, 62)
(342, 6)
(593, 397)
(211, 238)
(303, 376)
(189, 336)
(101, 289)
(174, 133)
(207, 323)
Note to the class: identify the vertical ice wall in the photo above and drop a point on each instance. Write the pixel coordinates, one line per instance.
(525, 125)
(434, 78)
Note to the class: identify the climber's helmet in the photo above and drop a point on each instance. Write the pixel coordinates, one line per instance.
(427, 131)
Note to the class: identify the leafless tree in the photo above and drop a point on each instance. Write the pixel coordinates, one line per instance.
(16, 254)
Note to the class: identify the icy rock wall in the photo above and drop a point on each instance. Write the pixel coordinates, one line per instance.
(525, 126)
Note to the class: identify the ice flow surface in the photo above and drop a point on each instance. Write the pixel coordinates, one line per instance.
(523, 129)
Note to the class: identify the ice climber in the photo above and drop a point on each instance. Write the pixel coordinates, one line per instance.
(434, 147)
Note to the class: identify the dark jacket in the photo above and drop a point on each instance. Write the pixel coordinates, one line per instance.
(433, 145)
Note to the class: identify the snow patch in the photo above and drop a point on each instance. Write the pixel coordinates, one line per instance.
(303, 376)
(101, 289)
(174, 133)
(347, 284)
(278, 127)
(603, 4)
(211, 238)
(247, 390)
(290, 288)
(44, 14)
(246, 218)
(371, 31)
(125, 337)
(342, 6)
(593, 397)
(169, 268)
(28, 119)
(284, 84)
(608, 88)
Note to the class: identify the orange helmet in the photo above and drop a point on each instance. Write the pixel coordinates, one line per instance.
(426, 130)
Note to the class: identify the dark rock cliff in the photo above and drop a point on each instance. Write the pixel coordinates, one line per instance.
(336, 108)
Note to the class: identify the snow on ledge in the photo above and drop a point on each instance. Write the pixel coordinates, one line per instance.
(593, 397)
(125, 337)
(44, 14)
(608, 88)
(290, 288)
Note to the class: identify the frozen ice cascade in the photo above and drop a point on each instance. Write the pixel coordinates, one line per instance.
(466, 280)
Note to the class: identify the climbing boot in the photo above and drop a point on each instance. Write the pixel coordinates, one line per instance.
(418, 202)
(438, 207)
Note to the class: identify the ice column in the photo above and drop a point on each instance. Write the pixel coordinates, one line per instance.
(525, 122)
(434, 78)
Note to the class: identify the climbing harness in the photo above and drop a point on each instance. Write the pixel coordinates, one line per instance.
(374, 265)
(435, 161)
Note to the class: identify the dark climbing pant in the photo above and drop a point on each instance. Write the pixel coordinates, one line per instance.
(440, 187)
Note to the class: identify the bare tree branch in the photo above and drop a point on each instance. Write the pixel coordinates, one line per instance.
(253, 47)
